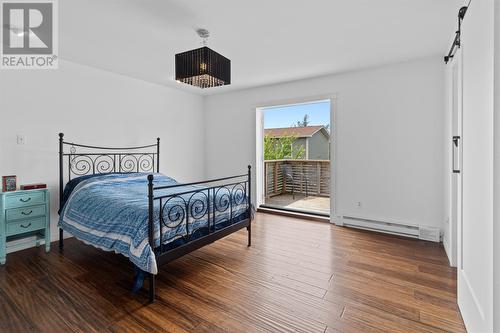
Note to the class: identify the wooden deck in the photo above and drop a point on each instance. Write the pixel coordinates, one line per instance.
(312, 204)
(298, 276)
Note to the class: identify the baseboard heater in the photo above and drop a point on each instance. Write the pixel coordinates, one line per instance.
(413, 231)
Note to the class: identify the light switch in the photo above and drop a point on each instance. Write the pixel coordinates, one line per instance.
(21, 139)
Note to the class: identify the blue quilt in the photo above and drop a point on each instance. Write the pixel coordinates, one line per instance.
(110, 212)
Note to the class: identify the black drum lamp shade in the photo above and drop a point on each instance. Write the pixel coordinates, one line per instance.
(203, 68)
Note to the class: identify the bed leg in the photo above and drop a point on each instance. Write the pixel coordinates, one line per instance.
(152, 287)
(138, 279)
(152, 284)
(61, 239)
(249, 229)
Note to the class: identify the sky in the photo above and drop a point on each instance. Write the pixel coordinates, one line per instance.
(286, 116)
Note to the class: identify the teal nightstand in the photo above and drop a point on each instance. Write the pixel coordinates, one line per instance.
(24, 214)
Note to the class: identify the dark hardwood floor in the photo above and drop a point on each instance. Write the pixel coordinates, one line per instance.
(298, 276)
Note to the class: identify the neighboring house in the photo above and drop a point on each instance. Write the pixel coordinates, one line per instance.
(314, 139)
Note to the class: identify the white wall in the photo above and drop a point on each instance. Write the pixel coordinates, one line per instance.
(389, 122)
(95, 107)
(390, 127)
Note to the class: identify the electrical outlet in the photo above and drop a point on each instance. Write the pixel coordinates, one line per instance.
(21, 139)
(358, 203)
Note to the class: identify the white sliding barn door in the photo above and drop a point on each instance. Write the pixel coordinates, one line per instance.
(475, 233)
(455, 166)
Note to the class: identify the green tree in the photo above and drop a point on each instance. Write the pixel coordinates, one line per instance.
(282, 148)
(303, 123)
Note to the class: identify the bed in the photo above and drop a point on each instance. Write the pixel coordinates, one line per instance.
(115, 199)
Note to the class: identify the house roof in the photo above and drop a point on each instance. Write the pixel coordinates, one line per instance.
(299, 132)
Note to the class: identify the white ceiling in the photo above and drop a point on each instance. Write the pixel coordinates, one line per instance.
(268, 41)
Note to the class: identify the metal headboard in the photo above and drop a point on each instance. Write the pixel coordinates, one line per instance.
(89, 160)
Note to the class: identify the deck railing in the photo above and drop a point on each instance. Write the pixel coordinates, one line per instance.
(308, 177)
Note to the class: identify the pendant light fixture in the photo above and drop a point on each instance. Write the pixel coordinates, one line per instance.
(202, 67)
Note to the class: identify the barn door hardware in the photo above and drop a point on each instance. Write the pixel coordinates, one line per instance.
(456, 41)
(455, 146)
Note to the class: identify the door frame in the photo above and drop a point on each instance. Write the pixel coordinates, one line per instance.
(259, 151)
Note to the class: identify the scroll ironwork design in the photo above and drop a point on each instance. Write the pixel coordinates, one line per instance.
(222, 199)
(104, 164)
(81, 164)
(128, 163)
(175, 213)
(181, 213)
(239, 194)
(146, 162)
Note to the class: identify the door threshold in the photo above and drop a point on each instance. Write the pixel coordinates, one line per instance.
(289, 213)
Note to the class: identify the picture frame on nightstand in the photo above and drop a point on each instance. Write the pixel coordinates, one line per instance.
(9, 183)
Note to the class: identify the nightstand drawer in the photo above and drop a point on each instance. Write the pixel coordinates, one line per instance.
(24, 199)
(24, 213)
(20, 227)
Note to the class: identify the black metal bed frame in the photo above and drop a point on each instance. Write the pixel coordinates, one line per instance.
(205, 201)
